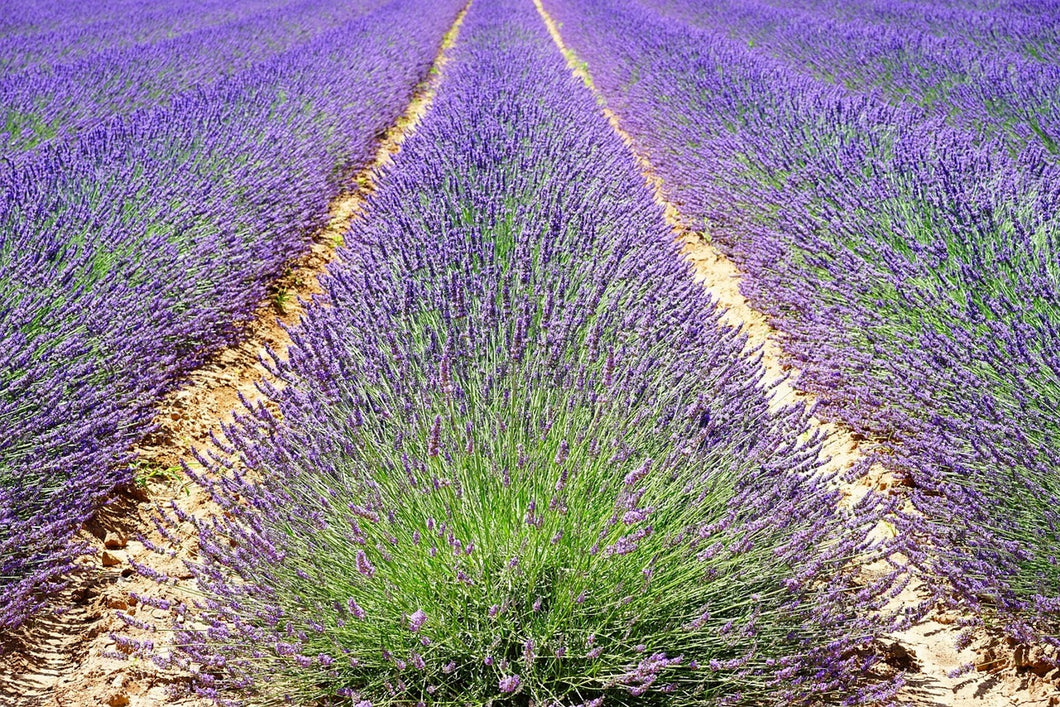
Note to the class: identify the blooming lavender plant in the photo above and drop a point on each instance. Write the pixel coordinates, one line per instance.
(518, 458)
(128, 254)
(911, 267)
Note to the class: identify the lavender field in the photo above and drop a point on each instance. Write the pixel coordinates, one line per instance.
(530, 352)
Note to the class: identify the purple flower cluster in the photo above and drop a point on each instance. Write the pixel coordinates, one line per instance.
(518, 456)
(909, 259)
(131, 251)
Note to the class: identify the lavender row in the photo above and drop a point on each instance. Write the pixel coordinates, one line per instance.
(518, 458)
(57, 101)
(131, 253)
(912, 272)
(1026, 28)
(39, 34)
(1030, 28)
(991, 89)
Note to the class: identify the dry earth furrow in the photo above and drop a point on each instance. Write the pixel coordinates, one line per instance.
(69, 659)
(928, 645)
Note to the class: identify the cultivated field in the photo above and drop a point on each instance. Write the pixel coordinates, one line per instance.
(530, 352)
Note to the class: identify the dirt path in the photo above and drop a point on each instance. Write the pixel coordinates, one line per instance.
(928, 645)
(74, 659)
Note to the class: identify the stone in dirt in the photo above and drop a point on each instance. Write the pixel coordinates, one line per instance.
(115, 541)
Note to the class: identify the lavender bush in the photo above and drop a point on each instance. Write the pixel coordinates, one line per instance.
(128, 254)
(911, 266)
(518, 458)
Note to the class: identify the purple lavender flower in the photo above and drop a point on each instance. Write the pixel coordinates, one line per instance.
(509, 683)
(416, 620)
(364, 565)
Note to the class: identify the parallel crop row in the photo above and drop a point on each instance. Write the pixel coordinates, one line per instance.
(130, 253)
(60, 98)
(46, 34)
(518, 456)
(913, 267)
(989, 72)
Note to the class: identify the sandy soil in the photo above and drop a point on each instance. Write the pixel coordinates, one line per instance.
(1005, 674)
(79, 657)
